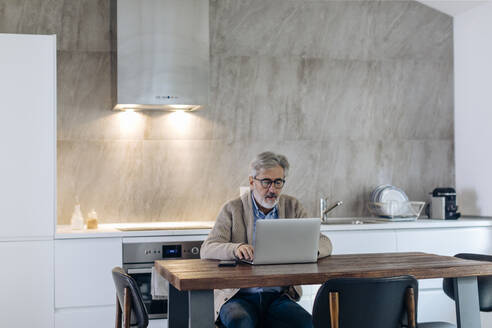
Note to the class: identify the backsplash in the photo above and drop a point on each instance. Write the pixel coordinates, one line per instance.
(354, 93)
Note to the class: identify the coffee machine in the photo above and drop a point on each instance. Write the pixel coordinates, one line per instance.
(443, 204)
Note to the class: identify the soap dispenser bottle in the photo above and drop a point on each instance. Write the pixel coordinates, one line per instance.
(77, 221)
(92, 220)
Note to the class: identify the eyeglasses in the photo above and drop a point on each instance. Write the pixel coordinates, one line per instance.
(266, 183)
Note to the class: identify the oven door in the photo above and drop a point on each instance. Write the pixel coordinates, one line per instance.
(156, 308)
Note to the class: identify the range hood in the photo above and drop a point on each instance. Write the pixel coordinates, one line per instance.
(160, 54)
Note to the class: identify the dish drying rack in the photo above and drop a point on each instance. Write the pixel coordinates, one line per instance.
(396, 210)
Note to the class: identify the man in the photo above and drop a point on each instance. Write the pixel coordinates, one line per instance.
(232, 237)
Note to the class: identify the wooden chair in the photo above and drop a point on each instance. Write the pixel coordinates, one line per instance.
(129, 304)
(366, 302)
(369, 303)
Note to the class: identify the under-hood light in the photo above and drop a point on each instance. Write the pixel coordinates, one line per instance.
(180, 107)
(172, 107)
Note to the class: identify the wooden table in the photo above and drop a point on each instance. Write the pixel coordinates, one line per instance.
(192, 281)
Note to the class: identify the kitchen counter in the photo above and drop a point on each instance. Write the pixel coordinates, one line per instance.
(147, 229)
(203, 227)
(418, 224)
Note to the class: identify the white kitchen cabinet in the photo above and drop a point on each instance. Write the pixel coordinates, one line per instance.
(158, 323)
(27, 175)
(434, 305)
(446, 241)
(94, 317)
(26, 280)
(27, 136)
(362, 241)
(83, 271)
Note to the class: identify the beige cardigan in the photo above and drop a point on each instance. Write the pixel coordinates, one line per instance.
(234, 227)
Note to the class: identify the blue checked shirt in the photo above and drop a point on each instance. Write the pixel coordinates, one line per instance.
(259, 215)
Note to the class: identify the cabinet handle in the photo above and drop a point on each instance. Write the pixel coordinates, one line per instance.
(146, 270)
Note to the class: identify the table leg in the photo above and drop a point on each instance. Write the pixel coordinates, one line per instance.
(193, 309)
(466, 300)
(201, 305)
(177, 308)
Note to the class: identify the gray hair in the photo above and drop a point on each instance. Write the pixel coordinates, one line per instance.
(268, 160)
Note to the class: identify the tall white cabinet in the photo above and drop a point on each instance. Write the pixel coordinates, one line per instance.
(27, 175)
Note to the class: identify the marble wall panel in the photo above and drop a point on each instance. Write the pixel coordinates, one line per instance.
(355, 93)
(169, 179)
(197, 125)
(85, 25)
(30, 16)
(105, 175)
(84, 97)
(413, 100)
(79, 25)
(190, 179)
(416, 166)
(291, 98)
(302, 98)
(364, 30)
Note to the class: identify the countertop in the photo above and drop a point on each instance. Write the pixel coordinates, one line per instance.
(141, 229)
(188, 228)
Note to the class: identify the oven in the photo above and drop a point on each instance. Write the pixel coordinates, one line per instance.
(138, 259)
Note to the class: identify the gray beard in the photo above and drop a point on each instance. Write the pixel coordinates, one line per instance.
(263, 203)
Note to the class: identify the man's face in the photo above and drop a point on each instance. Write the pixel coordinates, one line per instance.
(267, 196)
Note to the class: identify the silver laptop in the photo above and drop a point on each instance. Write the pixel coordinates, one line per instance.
(286, 241)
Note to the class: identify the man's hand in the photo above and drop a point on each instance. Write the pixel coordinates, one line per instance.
(245, 252)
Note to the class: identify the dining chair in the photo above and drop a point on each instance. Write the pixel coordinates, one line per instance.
(366, 302)
(484, 289)
(369, 303)
(484, 282)
(129, 303)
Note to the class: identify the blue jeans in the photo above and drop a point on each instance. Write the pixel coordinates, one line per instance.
(273, 310)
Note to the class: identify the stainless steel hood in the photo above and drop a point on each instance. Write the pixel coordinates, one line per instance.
(161, 58)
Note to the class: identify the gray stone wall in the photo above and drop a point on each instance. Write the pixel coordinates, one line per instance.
(355, 93)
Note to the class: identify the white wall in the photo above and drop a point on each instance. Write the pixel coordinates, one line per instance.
(473, 109)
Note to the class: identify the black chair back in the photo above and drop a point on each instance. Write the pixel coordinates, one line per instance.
(122, 281)
(484, 282)
(366, 302)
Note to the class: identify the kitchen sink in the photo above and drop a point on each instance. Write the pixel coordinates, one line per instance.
(352, 221)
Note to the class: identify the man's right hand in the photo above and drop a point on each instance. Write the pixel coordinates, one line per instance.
(245, 252)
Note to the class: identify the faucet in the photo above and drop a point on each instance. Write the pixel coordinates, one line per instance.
(324, 210)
